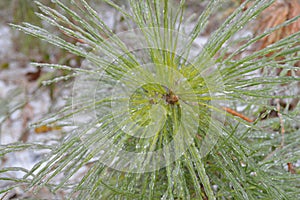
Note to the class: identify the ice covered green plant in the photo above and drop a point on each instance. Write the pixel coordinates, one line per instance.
(147, 107)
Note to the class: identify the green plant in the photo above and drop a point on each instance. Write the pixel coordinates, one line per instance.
(148, 112)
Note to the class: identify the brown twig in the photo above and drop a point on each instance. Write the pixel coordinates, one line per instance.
(282, 130)
(291, 168)
(235, 113)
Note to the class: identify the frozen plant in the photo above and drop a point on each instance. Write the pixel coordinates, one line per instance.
(151, 111)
